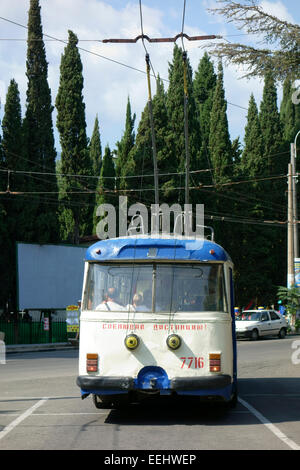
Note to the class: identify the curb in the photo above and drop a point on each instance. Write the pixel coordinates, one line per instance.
(17, 348)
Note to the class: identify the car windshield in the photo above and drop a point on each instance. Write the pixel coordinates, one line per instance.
(253, 316)
(158, 288)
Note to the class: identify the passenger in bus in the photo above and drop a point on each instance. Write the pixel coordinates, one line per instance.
(111, 301)
(137, 303)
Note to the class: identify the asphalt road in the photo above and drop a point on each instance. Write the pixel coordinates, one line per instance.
(41, 408)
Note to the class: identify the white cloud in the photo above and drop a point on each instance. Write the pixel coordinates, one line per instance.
(277, 9)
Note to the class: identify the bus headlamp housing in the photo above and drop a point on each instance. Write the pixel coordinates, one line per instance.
(132, 341)
(173, 342)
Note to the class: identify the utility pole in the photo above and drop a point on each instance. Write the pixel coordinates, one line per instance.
(294, 190)
(295, 210)
(186, 132)
(156, 187)
(290, 240)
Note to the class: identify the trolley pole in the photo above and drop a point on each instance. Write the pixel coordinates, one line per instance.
(290, 240)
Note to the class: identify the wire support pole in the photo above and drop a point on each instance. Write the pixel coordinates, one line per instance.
(155, 169)
(295, 209)
(290, 234)
(186, 132)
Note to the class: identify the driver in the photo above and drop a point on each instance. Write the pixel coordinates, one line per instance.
(111, 302)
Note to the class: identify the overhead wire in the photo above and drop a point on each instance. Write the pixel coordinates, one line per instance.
(209, 215)
(96, 177)
(65, 41)
(55, 39)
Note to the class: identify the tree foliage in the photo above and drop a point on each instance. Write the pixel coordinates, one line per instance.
(38, 133)
(283, 59)
(75, 160)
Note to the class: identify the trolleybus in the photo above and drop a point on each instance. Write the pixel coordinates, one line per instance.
(157, 319)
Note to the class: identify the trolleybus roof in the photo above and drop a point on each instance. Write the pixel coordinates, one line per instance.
(156, 248)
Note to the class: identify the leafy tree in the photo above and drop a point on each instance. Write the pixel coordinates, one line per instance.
(39, 138)
(283, 59)
(75, 160)
(290, 296)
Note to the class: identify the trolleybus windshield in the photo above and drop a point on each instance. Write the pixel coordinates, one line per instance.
(159, 288)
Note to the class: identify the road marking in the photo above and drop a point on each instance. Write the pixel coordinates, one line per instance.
(10, 398)
(63, 414)
(270, 395)
(21, 418)
(270, 426)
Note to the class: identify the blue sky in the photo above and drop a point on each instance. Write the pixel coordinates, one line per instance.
(108, 84)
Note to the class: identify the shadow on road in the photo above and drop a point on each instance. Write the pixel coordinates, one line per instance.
(276, 398)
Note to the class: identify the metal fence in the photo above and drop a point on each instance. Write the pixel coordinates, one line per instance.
(34, 332)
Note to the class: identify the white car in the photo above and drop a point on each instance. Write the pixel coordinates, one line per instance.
(258, 323)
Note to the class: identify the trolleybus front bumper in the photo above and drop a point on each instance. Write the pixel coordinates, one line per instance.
(218, 385)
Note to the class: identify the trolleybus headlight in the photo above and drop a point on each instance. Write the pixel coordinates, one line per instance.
(132, 341)
(173, 341)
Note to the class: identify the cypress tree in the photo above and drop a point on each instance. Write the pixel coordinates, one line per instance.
(39, 138)
(12, 142)
(275, 164)
(271, 129)
(221, 156)
(140, 160)
(14, 206)
(254, 281)
(289, 113)
(4, 282)
(75, 160)
(106, 185)
(95, 157)
(175, 108)
(95, 151)
(252, 158)
(125, 145)
(219, 140)
(204, 87)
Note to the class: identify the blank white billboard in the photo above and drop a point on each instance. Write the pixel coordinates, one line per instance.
(49, 276)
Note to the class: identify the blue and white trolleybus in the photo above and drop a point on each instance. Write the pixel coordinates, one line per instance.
(157, 318)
